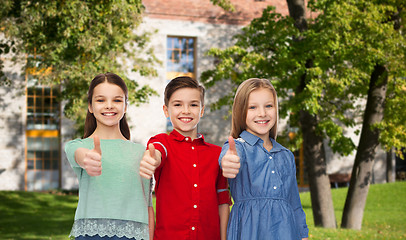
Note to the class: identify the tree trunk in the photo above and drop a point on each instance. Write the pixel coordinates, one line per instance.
(297, 11)
(320, 190)
(390, 166)
(314, 155)
(368, 143)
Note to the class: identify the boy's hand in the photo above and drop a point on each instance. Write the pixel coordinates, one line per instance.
(92, 161)
(231, 162)
(150, 161)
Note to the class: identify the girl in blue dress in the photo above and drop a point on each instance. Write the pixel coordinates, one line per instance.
(260, 171)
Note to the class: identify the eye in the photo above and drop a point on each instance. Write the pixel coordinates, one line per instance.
(194, 105)
(251, 107)
(99, 100)
(118, 100)
(269, 106)
(177, 104)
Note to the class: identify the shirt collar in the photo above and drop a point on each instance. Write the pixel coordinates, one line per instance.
(251, 139)
(179, 137)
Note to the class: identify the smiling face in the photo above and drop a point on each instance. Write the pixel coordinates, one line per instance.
(108, 105)
(261, 113)
(185, 109)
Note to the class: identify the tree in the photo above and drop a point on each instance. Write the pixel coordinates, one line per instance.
(69, 42)
(272, 47)
(367, 48)
(374, 27)
(323, 74)
(313, 147)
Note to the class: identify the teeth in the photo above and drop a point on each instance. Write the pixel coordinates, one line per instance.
(186, 119)
(262, 122)
(108, 114)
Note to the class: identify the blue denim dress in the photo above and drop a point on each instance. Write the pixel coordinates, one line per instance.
(265, 193)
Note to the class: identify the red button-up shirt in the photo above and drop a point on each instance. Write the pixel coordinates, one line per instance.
(189, 188)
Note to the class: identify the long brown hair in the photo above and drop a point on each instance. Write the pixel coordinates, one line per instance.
(240, 105)
(90, 123)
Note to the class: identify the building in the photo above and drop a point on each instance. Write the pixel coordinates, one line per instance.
(34, 130)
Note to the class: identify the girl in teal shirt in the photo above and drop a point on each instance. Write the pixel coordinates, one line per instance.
(114, 201)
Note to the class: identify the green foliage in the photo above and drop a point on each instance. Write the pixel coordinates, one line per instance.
(225, 4)
(70, 42)
(337, 55)
(349, 49)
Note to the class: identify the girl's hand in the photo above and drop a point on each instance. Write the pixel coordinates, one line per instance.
(150, 161)
(230, 163)
(92, 161)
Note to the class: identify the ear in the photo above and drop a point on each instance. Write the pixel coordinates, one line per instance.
(166, 112)
(202, 111)
(89, 107)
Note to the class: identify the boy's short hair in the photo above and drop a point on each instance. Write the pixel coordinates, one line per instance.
(182, 82)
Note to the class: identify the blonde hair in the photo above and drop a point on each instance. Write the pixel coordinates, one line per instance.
(240, 105)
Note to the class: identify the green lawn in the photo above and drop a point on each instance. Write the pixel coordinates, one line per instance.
(384, 215)
(28, 215)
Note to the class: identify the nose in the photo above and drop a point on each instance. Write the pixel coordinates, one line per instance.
(186, 109)
(261, 111)
(109, 104)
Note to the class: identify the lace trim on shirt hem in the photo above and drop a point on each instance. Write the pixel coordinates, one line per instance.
(110, 228)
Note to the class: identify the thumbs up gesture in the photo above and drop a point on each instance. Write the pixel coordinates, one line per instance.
(92, 160)
(231, 162)
(150, 161)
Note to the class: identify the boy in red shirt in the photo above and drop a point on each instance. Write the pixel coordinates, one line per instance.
(192, 197)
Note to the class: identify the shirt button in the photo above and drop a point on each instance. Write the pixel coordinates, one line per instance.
(187, 139)
(193, 228)
(195, 206)
(193, 147)
(274, 187)
(195, 185)
(194, 165)
(270, 157)
(273, 171)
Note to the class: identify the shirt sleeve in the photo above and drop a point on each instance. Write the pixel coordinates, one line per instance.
(70, 149)
(159, 145)
(223, 192)
(296, 203)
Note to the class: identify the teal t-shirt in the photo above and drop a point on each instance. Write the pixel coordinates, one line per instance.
(119, 193)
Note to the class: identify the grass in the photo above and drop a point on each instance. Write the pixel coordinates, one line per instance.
(30, 215)
(384, 214)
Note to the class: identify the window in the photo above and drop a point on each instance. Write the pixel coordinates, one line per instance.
(42, 108)
(42, 160)
(42, 151)
(180, 61)
(180, 57)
